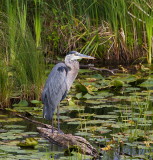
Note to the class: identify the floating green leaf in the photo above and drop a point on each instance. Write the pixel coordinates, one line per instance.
(81, 88)
(117, 83)
(35, 102)
(97, 76)
(106, 116)
(87, 96)
(11, 120)
(22, 103)
(29, 142)
(147, 83)
(14, 126)
(79, 95)
(83, 134)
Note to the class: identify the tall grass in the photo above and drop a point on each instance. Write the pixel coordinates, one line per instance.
(37, 22)
(29, 64)
(29, 67)
(12, 27)
(149, 30)
(142, 12)
(5, 85)
(109, 29)
(24, 60)
(22, 16)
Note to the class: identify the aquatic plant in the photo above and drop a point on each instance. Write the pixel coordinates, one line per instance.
(38, 22)
(5, 85)
(20, 53)
(109, 29)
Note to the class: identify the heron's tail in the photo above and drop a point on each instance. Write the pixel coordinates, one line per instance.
(48, 110)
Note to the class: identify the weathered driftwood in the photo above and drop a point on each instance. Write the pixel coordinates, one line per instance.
(91, 66)
(103, 69)
(69, 141)
(65, 140)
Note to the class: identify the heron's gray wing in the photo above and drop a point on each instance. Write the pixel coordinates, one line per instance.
(55, 89)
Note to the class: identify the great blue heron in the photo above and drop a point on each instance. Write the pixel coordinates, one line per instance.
(59, 82)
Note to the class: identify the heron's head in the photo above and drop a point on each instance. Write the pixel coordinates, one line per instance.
(74, 55)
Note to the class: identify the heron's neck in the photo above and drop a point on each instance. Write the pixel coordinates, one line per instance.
(72, 64)
(72, 73)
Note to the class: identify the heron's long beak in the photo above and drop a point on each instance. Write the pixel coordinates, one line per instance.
(84, 56)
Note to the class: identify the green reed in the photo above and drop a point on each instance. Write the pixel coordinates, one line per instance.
(111, 29)
(28, 64)
(22, 16)
(5, 85)
(143, 15)
(23, 57)
(37, 22)
(149, 29)
(29, 67)
(12, 27)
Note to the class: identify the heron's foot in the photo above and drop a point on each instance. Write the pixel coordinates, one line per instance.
(55, 131)
(60, 132)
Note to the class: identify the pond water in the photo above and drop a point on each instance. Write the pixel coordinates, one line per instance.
(114, 113)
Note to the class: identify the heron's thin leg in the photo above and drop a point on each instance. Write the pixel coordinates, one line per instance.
(52, 125)
(58, 115)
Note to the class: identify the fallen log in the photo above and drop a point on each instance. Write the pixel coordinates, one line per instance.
(69, 141)
(103, 70)
(91, 67)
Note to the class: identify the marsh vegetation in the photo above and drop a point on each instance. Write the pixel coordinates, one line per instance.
(113, 112)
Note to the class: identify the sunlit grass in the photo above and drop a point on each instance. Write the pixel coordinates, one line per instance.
(37, 22)
(110, 30)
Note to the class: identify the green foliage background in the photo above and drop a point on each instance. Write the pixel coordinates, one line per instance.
(114, 31)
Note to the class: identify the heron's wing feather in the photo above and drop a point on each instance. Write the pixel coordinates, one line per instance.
(55, 89)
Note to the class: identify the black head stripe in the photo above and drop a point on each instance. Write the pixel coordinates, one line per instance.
(71, 52)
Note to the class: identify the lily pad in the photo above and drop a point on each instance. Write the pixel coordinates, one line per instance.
(10, 137)
(117, 83)
(103, 130)
(7, 148)
(147, 83)
(64, 117)
(86, 114)
(83, 134)
(35, 102)
(74, 122)
(87, 96)
(93, 102)
(14, 126)
(29, 142)
(79, 95)
(81, 88)
(10, 120)
(22, 103)
(97, 76)
(106, 116)
(121, 125)
(93, 122)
